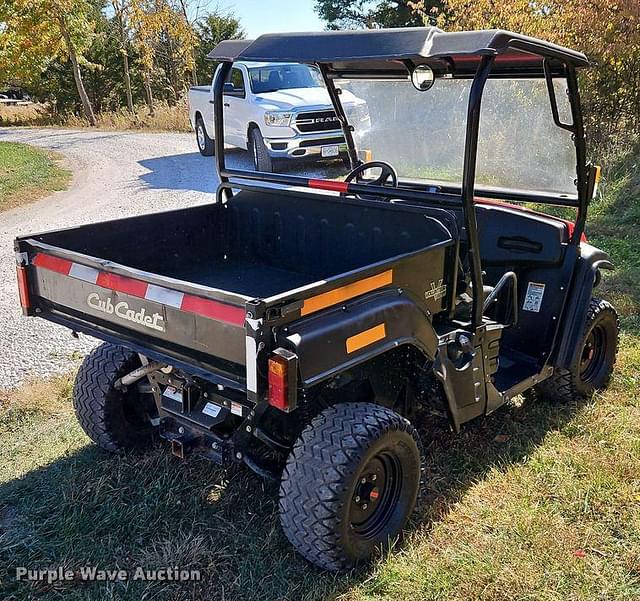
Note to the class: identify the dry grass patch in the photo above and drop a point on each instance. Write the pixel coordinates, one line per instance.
(165, 118)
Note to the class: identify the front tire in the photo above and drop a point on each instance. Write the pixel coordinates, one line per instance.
(205, 143)
(115, 419)
(593, 366)
(350, 484)
(259, 152)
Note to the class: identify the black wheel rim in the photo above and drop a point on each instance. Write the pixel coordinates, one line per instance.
(594, 354)
(376, 495)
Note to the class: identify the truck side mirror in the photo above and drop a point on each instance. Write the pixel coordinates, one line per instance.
(228, 88)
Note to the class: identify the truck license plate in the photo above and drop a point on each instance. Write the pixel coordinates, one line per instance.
(330, 151)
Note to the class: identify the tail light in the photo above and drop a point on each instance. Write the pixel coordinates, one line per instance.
(283, 377)
(23, 288)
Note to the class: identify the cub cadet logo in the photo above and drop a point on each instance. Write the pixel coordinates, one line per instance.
(122, 310)
(436, 292)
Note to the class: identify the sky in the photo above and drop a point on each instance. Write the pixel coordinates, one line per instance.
(271, 16)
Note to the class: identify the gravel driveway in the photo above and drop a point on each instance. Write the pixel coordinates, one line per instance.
(115, 174)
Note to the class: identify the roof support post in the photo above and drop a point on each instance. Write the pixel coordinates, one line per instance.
(468, 184)
(581, 154)
(337, 105)
(218, 119)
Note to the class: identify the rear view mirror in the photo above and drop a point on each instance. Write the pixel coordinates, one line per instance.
(423, 78)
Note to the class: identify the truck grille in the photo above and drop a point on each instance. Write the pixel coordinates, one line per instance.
(317, 121)
(322, 142)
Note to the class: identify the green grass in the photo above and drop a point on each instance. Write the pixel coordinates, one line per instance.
(535, 502)
(28, 173)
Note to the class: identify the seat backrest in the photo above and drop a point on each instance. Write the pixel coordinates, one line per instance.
(510, 236)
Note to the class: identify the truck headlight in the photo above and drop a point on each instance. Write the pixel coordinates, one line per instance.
(277, 119)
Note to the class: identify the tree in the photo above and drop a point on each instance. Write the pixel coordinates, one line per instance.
(608, 31)
(120, 9)
(165, 44)
(38, 32)
(367, 14)
(211, 30)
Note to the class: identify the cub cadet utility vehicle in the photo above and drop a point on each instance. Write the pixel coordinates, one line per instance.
(297, 324)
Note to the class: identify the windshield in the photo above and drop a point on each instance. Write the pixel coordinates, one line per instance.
(272, 78)
(422, 134)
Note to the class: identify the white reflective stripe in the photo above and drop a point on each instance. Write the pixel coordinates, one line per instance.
(164, 296)
(252, 366)
(84, 273)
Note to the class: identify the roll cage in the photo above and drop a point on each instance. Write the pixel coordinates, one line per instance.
(393, 54)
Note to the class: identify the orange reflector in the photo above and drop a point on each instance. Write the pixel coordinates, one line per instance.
(339, 295)
(598, 177)
(355, 343)
(278, 383)
(23, 287)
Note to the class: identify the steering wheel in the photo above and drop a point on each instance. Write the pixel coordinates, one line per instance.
(388, 174)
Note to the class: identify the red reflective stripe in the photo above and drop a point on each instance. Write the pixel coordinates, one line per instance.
(191, 304)
(122, 284)
(324, 184)
(23, 287)
(52, 263)
(213, 309)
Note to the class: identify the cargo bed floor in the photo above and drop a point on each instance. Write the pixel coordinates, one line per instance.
(244, 277)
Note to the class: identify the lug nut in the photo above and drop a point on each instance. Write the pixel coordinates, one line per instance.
(248, 428)
(180, 430)
(364, 506)
(238, 455)
(363, 481)
(357, 499)
(214, 445)
(373, 478)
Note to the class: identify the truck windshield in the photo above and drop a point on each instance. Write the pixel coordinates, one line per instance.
(422, 134)
(272, 78)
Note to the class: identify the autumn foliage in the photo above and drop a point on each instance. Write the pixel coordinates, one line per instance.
(608, 31)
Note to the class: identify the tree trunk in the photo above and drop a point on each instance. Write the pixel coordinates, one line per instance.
(194, 54)
(148, 94)
(73, 57)
(119, 8)
(127, 80)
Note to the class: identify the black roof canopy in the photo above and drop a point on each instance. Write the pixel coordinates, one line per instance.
(388, 50)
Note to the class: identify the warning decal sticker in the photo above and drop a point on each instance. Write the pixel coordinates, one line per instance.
(533, 298)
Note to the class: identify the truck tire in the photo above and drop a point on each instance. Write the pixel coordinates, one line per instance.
(593, 366)
(350, 484)
(261, 159)
(205, 143)
(114, 419)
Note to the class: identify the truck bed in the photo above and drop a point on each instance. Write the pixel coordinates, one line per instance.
(197, 268)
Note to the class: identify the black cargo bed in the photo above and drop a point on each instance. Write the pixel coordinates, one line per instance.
(243, 277)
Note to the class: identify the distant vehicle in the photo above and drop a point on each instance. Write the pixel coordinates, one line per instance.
(275, 110)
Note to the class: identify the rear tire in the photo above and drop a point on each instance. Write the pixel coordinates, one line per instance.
(261, 159)
(114, 419)
(205, 143)
(594, 363)
(350, 484)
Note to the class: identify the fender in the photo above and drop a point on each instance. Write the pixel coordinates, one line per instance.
(341, 338)
(585, 278)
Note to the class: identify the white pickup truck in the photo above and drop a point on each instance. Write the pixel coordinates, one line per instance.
(275, 110)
